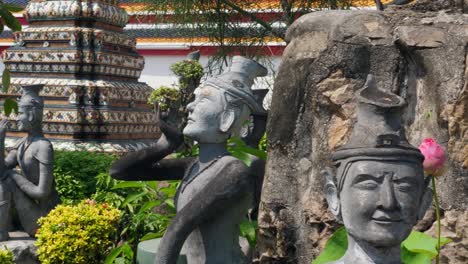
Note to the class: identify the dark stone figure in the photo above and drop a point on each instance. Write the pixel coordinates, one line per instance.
(216, 190)
(29, 191)
(379, 191)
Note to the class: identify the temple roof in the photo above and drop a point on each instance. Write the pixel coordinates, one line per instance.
(150, 34)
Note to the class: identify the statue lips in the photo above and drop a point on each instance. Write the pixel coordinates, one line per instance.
(386, 218)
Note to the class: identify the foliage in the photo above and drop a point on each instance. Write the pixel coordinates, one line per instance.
(165, 97)
(222, 22)
(262, 145)
(248, 229)
(187, 70)
(418, 248)
(239, 149)
(8, 19)
(75, 173)
(6, 256)
(139, 221)
(77, 234)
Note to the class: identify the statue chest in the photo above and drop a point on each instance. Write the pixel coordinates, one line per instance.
(28, 164)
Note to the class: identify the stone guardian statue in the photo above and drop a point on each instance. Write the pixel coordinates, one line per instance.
(379, 191)
(216, 190)
(27, 184)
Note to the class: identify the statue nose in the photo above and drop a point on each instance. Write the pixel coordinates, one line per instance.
(387, 199)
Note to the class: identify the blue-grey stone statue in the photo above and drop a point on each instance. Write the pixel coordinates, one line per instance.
(216, 190)
(27, 184)
(379, 191)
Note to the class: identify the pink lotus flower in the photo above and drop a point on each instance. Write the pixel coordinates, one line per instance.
(434, 156)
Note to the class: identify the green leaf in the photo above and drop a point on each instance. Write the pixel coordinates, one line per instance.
(125, 185)
(13, 7)
(170, 203)
(133, 197)
(148, 205)
(10, 105)
(10, 20)
(335, 247)
(152, 236)
(248, 229)
(113, 255)
(418, 242)
(408, 257)
(127, 250)
(6, 80)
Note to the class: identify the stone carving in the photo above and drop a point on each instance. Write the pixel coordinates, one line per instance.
(30, 190)
(216, 191)
(379, 191)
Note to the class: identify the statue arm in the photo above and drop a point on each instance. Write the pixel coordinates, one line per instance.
(10, 160)
(148, 164)
(231, 184)
(45, 157)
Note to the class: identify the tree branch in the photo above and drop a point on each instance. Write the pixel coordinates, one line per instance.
(254, 18)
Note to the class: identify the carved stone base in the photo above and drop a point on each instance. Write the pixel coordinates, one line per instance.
(117, 146)
(22, 247)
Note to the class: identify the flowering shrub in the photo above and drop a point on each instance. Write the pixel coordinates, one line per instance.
(78, 234)
(6, 256)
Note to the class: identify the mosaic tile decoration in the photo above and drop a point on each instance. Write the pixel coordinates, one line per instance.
(90, 73)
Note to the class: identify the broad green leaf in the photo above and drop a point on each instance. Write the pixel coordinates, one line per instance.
(418, 242)
(408, 257)
(113, 255)
(148, 205)
(10, 20)
(124, 185)
(244, 157)
(152, 236)
(248, 229)
(13, 7)
(6, 80)
(127, 250)
(170, 203)
(132, 197)
(335, 247)
(9, 106)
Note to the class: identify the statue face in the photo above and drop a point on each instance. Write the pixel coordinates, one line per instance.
(380, 200)
(24, 119)
(205, 116)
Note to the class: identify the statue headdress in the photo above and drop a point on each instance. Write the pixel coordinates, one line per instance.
(378, 133)
(30, 97)
(238, 79)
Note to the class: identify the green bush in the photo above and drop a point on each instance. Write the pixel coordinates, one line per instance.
(6, 256)
(75, 173)
(165, 96)
(77, 234)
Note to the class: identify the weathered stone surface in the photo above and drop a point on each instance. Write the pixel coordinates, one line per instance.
(454, 226)
(22, 247)
(419, 55)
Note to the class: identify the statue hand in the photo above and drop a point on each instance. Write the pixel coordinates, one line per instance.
(170, 136)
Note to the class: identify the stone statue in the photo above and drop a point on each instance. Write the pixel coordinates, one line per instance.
(30, 189)
(379, 191)
(216, 191)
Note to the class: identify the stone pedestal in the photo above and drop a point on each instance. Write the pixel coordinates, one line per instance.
(146, 252)
(22, 247)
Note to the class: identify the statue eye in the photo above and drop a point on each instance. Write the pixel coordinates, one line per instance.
(367, 185)
(405, 187)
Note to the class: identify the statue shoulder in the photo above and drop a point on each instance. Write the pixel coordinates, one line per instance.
(234, 165)
(43, 151)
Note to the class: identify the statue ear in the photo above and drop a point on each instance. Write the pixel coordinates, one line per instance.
(331, 193)
(426, 199)
(227, 120)
(31, 116)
